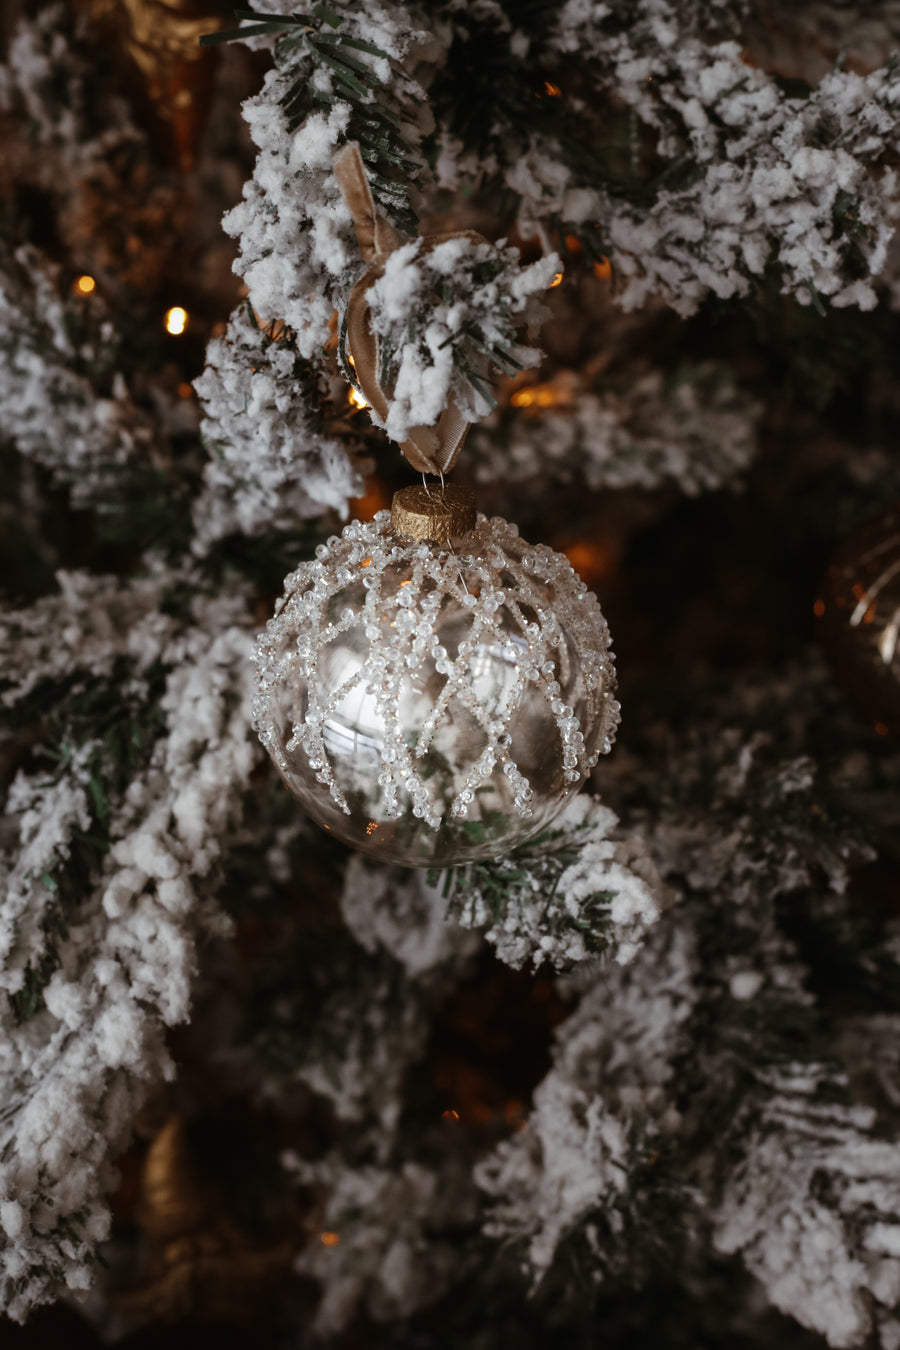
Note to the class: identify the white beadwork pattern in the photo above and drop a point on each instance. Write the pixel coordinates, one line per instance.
(525, 608)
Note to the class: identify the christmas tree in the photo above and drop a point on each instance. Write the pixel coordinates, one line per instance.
(621, 1073)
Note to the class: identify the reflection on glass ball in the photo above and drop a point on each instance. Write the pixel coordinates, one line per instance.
(859, 619)
(431, 706)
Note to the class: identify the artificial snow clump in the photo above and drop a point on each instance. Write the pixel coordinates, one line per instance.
(771, 181)
(48, 814)
(605, 1104)
(86, 625)
(361, 1045)
(572, 893)
(813, 1206)
(774, 827)
(444, 315)
(541, 181)
(695, 429)
(281, 263)
(271, 464)
(390, 1239)
(106, 891)
(393, 909)
(298, 252)
(46, 81)
(61, 401)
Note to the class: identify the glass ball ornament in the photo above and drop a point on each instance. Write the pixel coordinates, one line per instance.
(434, 703)
(858, 611)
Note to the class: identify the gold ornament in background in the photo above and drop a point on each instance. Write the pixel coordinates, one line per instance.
(162, 37)
(200, 1263)
(174, 1203)
(859, 619)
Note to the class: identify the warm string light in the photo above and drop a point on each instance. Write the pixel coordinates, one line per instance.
(593, 560)
(513, 1112)
(559, 392)
(557, 280)
(176, 320)
(85, 285)
(354, 397)
(536, 396)
(330, 1239)
(602, 267)
(376, 498)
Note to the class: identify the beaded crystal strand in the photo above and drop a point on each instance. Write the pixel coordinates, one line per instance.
(525, 605)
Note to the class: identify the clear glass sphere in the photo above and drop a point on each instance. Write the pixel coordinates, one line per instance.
(431, 706)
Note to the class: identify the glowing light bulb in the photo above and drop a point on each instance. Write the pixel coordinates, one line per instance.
(356, 399)
(376, 499)
(551, 90)
(535, 396)
(592, 560)
(176, 320)
(557, 279)
(84, 285)
(329, 1239)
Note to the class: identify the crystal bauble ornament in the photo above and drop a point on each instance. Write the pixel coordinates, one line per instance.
(859, 619)
(430, 703)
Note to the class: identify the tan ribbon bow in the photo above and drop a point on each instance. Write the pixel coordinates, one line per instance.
(428, 449)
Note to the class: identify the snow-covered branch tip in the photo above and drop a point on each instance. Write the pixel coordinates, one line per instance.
(271, 461)
(447, 317)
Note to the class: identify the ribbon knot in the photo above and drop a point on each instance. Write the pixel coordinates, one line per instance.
(429, 449)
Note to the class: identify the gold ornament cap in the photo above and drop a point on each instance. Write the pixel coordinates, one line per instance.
(433, 514)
